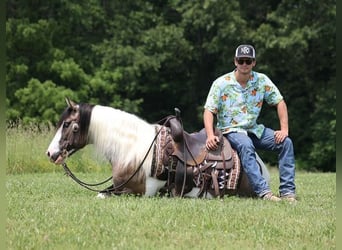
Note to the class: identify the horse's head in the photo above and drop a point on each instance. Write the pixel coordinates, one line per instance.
(72, 131)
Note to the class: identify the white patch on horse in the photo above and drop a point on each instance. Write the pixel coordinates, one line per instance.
(103, 195)
(153, 186)
(54, 145)
(194, 194)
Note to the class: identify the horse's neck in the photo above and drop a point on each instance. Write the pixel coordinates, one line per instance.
(118, 134)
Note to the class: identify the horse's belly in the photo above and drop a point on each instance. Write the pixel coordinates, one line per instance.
(153, 186)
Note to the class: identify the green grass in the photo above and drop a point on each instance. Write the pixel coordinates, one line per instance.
(26, 147)
(50, 211)
(47, 210)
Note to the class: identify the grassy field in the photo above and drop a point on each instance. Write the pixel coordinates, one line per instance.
(26, 147)
(47, 210)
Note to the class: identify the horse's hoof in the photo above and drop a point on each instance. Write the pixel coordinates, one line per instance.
(102, 195)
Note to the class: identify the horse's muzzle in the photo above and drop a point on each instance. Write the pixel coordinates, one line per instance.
(58, 157)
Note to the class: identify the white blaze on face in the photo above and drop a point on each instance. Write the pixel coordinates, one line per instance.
(54, 145)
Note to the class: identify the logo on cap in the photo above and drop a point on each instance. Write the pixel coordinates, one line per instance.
(244, 50)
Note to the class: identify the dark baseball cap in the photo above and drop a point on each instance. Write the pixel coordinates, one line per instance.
(245, 50)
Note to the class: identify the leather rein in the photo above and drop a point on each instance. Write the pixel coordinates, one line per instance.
(90, 186)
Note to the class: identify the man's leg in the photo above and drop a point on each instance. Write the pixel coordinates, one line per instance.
(246, 150)
(286, 159)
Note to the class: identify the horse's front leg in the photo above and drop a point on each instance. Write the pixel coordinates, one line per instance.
(105, 193)
(119, 186)
(127, 181)
(110, 191)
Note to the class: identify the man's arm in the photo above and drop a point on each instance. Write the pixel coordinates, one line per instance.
(208, 120)
(281, 134)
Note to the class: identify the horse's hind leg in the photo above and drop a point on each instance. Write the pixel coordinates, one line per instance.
(244, 186)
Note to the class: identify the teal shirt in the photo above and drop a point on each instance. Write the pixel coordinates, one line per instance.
(238, 108)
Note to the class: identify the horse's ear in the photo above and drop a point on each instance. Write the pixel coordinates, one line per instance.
(70, 103)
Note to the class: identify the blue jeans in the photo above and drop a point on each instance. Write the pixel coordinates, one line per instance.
(245, 145)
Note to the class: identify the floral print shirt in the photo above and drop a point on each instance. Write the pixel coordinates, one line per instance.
(238, 108)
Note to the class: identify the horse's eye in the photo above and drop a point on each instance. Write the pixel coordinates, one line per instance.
(66, 124)
(75, 127)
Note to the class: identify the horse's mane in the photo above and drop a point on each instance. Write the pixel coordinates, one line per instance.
(122, 137)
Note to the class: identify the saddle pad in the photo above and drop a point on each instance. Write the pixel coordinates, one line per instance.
(235, 171)
(162, 150)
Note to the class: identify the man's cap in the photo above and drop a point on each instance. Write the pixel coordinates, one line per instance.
(245, 50)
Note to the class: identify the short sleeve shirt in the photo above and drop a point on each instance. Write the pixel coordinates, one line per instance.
(238, 108)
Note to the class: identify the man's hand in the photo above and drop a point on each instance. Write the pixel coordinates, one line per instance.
(212, 142)
(280, 135)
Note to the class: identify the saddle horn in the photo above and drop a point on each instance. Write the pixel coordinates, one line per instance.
(177, 113)
(176, 126)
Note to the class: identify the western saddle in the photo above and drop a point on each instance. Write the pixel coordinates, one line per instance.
(195, 166)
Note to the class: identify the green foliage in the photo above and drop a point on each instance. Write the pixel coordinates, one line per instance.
(39, 101)
(324, 128)
(147, 57)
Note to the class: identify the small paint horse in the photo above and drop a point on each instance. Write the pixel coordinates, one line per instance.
(150, 159)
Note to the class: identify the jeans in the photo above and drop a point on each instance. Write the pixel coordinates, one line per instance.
(245, 145)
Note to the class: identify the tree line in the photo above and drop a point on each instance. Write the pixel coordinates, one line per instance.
(149, 56)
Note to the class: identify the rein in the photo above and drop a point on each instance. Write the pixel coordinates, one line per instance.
(88, 186)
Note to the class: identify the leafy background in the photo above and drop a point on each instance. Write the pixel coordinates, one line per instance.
(147, 57)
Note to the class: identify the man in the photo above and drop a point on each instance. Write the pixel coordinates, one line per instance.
(236, 99)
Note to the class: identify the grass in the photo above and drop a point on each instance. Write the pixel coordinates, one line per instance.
(25, 151)
(47, 210)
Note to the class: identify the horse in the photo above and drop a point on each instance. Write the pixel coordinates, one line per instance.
(150, 159)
